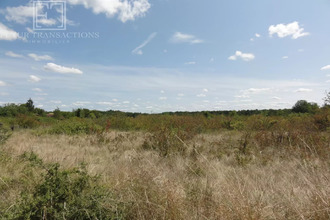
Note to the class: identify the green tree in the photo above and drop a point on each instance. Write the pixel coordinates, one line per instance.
(302, 106)
(39, 111)
(57, 113)
(29, 105)
(327, 99)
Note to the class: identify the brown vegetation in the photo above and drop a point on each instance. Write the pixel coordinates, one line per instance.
(263, 173)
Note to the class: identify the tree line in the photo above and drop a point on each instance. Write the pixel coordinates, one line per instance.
(13, 110)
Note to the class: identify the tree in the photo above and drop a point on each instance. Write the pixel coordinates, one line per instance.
(29, 105)
(302, 106)
(57, 113)
(327, 99)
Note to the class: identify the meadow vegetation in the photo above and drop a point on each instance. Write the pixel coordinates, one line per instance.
(262, 164)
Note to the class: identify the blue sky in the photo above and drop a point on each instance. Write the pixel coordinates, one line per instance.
(164, 55)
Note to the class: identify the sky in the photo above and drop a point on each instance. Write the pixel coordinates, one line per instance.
(164, 55)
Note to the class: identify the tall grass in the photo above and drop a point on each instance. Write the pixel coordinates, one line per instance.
(269, 170)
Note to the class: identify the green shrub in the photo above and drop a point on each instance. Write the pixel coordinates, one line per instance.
(66, 194)
(75, 126)
(27, 121)
(4, 134)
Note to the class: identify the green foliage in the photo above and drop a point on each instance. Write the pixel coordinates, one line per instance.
(29, 105)
(4, 134)
(12, 110)
(58, 114)
(327, 99)
(75, 126)
(27, 121)
(302, 106)
(40, 112)
(66, 194)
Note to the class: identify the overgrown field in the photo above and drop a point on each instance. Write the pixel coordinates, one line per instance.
(166, 167)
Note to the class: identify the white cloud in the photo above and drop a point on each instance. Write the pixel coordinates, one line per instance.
(24, 13)
(285, 57)
(126, 10)
(56, 101)
(201, 95)
(33, 78)
(179, 37)
(242, 96)
(7, 33)
(138, 50)
(326, 67)
(70, 22)
(205, 90)
(29, 30)
(257, 90)
(283, 30)
(81, 103)
(243, 56)
(190, 63)
(257, 35)
(276, 98)
(2, 83)
(12, 54)
(303, 90)
(247, 92)
(162, 98)
(37, 90)
(61, 69)
(40, 58)
(162, 91)
(104, 103)
(47, 22)
(20, 14)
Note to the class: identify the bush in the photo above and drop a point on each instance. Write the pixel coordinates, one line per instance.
(167, 141)
(4, 134)
(75, 126)
(66, 194)
(27, 121)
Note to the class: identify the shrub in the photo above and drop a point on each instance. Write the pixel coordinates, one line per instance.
(322, 119)
(66, 194)
(27, 121)
(167, 141)
(4, 134)
(75, 126)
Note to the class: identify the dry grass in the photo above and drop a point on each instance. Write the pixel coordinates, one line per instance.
(213, 179)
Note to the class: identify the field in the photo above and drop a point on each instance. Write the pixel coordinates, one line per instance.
(166, 167)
